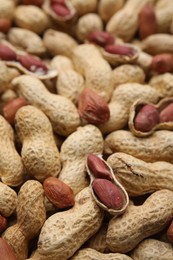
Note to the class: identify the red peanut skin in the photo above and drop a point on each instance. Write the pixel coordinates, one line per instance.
(146, 118)
(6, 53)
(120, 49)
(60, 10)
(147, 21)
(5, 25)
(166, 115)
(59, 193)
(169, 233)
(101, 38)
(28, 61)
(3, 223)
(97, 167)
(6, 251)
(162, 63)
(93, 107)
(108, 193)
(10, 109)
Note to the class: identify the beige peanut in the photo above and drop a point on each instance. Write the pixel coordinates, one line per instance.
(162, 84)
(107, 8)
(84, 7)
(30, 218)
(11, 166)
(26, 40)
(91, 254)
(139, 177)
(8, 200)
(39, 152)
(152, 249)
(97, 72)
(157, 147)
(126, 232)
(74, 151)
(122, 99)
(75, 225)
(60, 110)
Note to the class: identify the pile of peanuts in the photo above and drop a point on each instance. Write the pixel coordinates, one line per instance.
(86, 129)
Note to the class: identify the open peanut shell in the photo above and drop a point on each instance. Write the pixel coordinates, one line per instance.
(137, 105)
(115, 212)
(116, 59)
(51, 73)
(57, 18)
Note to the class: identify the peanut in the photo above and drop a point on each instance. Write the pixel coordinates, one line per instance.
(90, 254)
(8, 200)
(122, 99)
(60, 110)
(39, 152)
(162, 63)
(125, 233)
(93, 107)
(139, 177)
(166, 115)
(146, 118)
(163, 84)
(152, 249)
(107, 8)
(169, 232)
(82, 8)
(11, 166)
(85, 215)
(157, 147)
(5, 25)
(74, 151)
(30, 218)
(60, 194)
(6, 53)
(99, 78)
(33, 2)
(6, 251)
(147, 21)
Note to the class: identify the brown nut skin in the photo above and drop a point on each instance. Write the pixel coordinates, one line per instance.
(147, 21)
(5, 25)
(108, 193)
(10, 109)
(6, 53)
(101, 38)
(6, 251)
(59, 193)
(146, 118)
(169, 232)
(3, 223)
(162, 63)
(166, 115)
(98, 168)
(119, 49)
(93, 107)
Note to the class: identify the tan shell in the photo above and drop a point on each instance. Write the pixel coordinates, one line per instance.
(133, 110)
(115, 59)
(8, 200)
(117, 183)
(47, 8)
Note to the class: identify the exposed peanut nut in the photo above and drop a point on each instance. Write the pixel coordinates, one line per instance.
(147, 21)
(101, 38)
(7, 53)
(124, 233)
(10, 109)
(90, 254)
(152, 249)
(93, 107)
(146, 118)
(162, 63)
(119, 49)
(59, 193)
(166, 115)
(6, 250)
(39, 152)
(108, 193)
(98, 168)
(169, 232)
(32, 63)
(5, 25)
(3, 223)
(60, 9)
